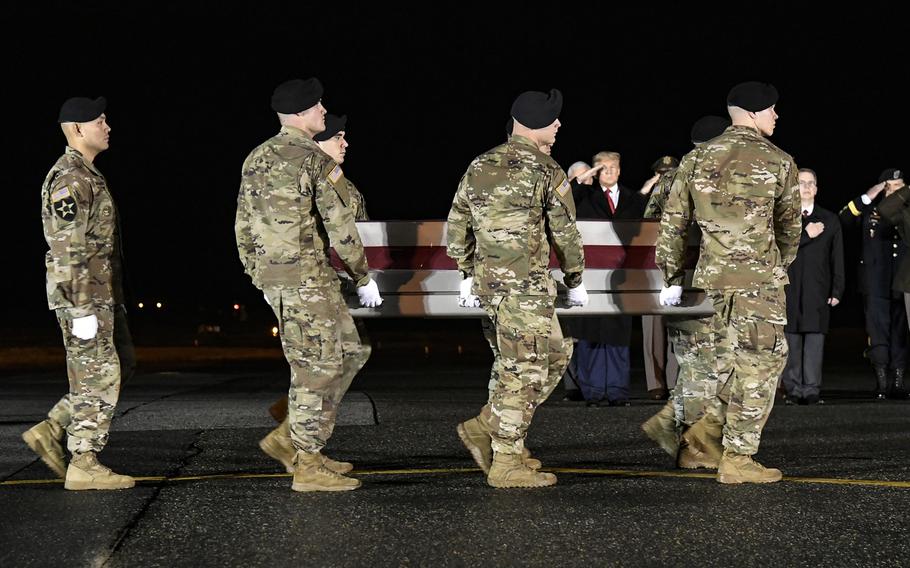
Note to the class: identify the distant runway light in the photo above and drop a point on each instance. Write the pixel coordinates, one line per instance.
(141, 305)
(158, 305)
(274, 332)
(236, 306)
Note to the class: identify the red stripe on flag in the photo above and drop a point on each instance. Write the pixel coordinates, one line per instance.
(435, 258)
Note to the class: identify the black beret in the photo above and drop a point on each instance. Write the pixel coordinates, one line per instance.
(537, 110)
(81, 109)
(752, 96)
(296, 95)
(890, 174)
(333, 125)
(708, 127)
(664, 164)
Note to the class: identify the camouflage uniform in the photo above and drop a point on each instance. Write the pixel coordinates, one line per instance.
(80, 224)
(743, 193)
(357, 205)
(510, 204)
(292, 207)
(693, 339)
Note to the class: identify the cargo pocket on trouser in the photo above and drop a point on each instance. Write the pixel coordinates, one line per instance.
(514, 394)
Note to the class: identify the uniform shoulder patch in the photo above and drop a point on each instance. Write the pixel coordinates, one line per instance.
(64, 204)
(563, 188)
(335, 175)
(61, 193)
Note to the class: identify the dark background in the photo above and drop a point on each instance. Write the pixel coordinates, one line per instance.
(425, 91)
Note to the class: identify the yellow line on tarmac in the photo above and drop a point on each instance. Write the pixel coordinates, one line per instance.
(437, 471)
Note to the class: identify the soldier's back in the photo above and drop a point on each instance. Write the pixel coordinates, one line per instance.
(734, 182)
(276, 200)
(506, 189)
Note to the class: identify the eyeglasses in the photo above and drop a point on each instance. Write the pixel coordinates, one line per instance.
(807, 183)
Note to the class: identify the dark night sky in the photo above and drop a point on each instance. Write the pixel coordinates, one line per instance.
(188, 99)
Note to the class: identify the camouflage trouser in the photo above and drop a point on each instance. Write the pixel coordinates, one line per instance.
(489, 333)
(93, 370)
(62, 412)
(751, 354)
(530, 357)
(696, 385)
(323, 348)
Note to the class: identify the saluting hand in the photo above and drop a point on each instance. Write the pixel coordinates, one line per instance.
(873, 191)
(649, 185)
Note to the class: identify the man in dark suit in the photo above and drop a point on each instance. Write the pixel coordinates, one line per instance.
(883, 252)
(602, 351)
(816, 285)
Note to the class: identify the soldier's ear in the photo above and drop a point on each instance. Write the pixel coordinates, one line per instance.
(78, 130)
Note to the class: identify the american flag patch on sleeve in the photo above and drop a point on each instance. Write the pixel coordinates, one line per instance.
(61, 193)
(335, 175)
(563, 187)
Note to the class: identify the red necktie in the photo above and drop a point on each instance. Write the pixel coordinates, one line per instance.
(610, 201)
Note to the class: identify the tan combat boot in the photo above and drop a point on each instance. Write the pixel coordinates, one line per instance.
(278, 446)
(312, 475)
(740, 468)
(46, 440)
(661, 428)
(531, 462)
(336, 466)
(84, 472)
(705, 436)
(508, 470)
(476, 438)
(691, 458)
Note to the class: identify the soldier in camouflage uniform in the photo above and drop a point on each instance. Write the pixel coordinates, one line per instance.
(511, 204)
(692, 341)
(80, 226)
(489, 333)
(332, 141)
(291, 209)
(743, 192)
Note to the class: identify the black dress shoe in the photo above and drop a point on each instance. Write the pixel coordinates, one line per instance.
(574, 395)
(619, 403)
(592, 403)
(658, 394)
(814, 399)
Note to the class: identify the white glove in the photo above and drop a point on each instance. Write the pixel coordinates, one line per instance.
(465, 298)
(670, 296)
(369, 295)
(578, 296)
(85, 327)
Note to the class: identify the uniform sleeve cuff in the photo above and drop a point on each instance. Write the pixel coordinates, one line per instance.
(82, 312)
